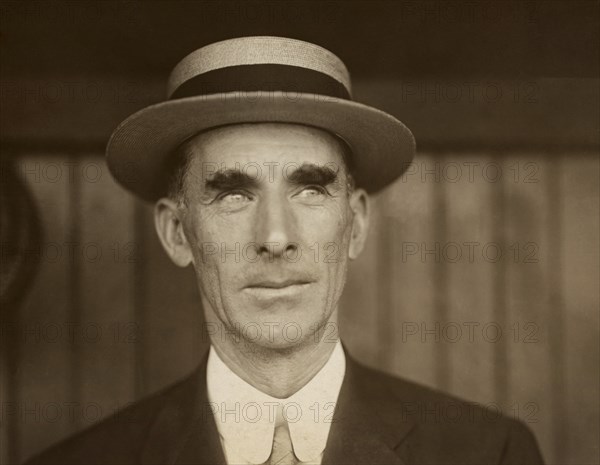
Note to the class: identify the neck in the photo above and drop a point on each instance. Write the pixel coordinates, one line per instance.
(275, 371)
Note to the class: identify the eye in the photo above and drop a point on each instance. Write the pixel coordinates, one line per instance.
(310, 192)
(234, 197)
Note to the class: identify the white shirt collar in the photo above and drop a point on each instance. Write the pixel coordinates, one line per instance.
(245, 416)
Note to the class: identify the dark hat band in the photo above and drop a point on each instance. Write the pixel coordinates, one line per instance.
(262, 77)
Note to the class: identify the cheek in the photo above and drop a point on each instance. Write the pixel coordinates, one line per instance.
(207, 237)
(331, 230)
(211, 232)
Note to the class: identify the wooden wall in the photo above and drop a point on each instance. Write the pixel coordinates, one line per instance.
(109, 319)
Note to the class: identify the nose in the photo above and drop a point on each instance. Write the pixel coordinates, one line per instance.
(275, 227)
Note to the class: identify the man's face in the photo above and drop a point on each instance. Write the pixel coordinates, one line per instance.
(268, 221)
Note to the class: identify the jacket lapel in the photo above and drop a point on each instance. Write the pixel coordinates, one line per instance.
(366, 428)
(184, 431)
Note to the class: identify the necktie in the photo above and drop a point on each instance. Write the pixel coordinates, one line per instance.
(283, 452)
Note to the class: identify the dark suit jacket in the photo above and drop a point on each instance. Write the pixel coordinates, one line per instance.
(379, 419)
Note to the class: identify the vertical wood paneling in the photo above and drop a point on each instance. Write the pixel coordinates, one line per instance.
(109, 333)
(469, 297)
(412, 208)
(498, 254)
(74, 290)
(44, 343)
(555, 191)
(579, 277)
(440, 275)
(527, 325)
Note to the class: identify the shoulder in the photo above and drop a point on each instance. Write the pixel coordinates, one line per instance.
(443, 426)
(119, 438)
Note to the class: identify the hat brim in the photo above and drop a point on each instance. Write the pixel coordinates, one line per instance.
(138, 150)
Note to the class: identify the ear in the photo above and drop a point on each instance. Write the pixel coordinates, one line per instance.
(359, 203)
(167, 220)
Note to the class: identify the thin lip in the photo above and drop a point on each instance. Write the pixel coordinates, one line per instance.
(273, 284)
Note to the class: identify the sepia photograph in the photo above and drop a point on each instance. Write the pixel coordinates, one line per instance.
(284, 232)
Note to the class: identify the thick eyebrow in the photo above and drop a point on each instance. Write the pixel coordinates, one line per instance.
(309, 173)
(230, 179)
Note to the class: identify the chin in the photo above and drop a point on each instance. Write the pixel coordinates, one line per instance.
(278, 328)
(283, 344)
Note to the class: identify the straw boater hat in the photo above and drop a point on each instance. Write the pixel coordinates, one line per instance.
(251, 80)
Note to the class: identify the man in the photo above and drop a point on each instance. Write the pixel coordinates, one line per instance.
(260, 153)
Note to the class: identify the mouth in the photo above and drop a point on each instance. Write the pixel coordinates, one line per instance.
(271, 290)
(277, 284)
